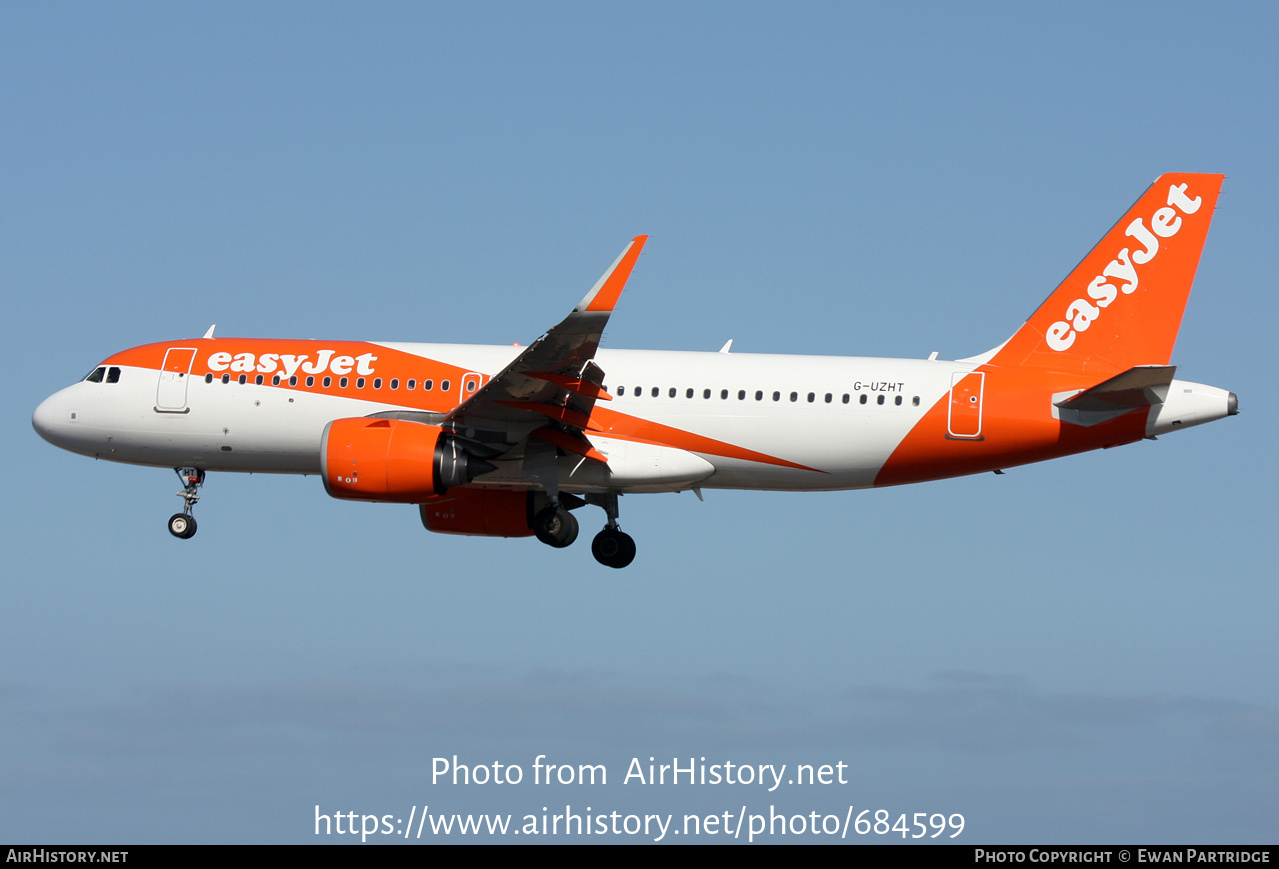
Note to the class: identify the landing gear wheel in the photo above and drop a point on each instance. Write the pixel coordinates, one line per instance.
(613, 548)
(182, 526)
(555, 526)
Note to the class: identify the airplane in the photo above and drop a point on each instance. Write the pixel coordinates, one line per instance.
(507, 441)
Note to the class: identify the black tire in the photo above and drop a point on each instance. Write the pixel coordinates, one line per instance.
(555, 526)
(182, 526)
(613, 548)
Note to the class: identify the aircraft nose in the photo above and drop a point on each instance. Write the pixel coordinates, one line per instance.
(48, 418)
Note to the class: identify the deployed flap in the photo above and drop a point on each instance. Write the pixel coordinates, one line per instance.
(1141, 386)
(554, 377)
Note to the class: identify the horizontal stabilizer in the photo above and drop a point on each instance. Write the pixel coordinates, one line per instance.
(1140, 386)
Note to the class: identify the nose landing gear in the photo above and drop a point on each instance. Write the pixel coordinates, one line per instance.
(182, 525)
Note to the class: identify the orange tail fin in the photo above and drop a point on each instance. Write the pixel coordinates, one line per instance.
(1122, 305)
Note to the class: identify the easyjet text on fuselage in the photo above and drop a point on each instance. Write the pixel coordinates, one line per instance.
(289, 364)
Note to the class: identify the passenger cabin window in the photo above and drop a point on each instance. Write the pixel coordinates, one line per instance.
(275, 380)
(359, 383)
(226, 378)
(258, 380)
(706, 393)
(863, 398)
(688, 394)
(411, 385)
(621, 390)
(656, 391)
(208, 378)
(428, 385)
(897, 401)
(444, 385)
(879, 400)
(395, 383)
(293, 380)
(723, 394)
(310, 381)
(377, 383)
(915, 401)
(243, 378)
(328, 381)
(672, 392)
(343, 382)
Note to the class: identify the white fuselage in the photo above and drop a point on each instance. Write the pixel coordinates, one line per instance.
(837, 417)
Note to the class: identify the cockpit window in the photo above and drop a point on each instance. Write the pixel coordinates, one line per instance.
(113, 374)
(95, 376)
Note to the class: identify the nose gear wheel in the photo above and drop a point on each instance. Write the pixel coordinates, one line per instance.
(182, 526)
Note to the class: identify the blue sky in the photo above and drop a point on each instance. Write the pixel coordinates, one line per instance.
(1078, 651)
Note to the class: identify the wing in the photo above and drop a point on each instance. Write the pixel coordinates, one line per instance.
(548, 392)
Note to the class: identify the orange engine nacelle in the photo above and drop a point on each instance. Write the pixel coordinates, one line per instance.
(367, 459)
(480, 512)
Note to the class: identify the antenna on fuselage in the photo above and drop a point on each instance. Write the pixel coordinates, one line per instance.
(724, 349)
(209, 334)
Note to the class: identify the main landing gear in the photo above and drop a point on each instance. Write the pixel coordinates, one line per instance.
(182, 525)
(612, 547)
(555, 526)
